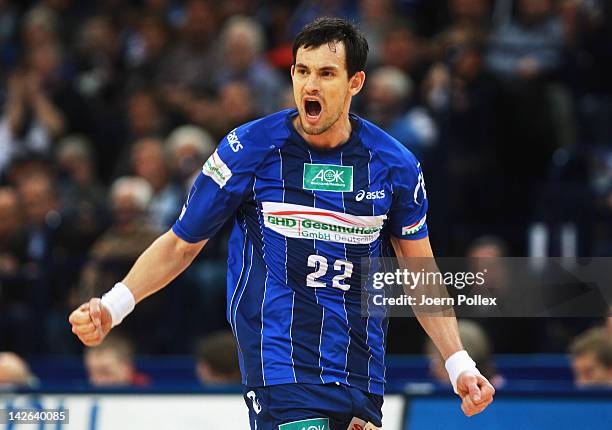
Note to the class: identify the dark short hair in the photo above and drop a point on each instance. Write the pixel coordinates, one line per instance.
(330, 30)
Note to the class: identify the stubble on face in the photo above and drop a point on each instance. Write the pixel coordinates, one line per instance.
(328, 93)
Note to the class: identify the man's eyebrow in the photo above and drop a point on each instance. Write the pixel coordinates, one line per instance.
(329, 67)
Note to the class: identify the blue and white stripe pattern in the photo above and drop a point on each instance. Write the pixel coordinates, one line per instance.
(289, 329)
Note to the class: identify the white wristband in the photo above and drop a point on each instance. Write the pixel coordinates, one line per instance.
(119, 301)
(458, 363)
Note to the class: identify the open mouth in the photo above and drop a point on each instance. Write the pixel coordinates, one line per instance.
(312, 108)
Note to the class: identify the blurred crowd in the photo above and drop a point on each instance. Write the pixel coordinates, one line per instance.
(109, 108)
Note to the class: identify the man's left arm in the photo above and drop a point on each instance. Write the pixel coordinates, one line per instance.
(474, 389)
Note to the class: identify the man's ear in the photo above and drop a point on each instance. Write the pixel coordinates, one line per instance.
(356, 83)
(292, 70)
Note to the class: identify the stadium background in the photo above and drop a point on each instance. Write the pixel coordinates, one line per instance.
(108, 108)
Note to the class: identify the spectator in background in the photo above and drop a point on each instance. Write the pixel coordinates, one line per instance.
(145, 115)
(461, 96)
(112, 255)
(151, 44)
(236, 106)
(307, 10)
(99, 61)
(528, 46)
(473, 13)
(114, 252)
(186, 69)
(15, 372)
(111, 364)
(242, 44)
(55, 246)
(375, 16)
(14, 311)
(12, 249)
(149, 162)
(42, 214)
(507, 325)
(8, 33)
(524, 53)
(587, 26)
(591, 354)
(31, 119)
(188, 147)
(75, 162)
(476, 343)
(145, 118)
(79, 189)
(388, 104)
(404, 49)
(39, 25)
(217, 360)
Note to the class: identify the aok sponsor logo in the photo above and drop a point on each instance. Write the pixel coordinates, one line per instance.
(311, 223)
(328, 177)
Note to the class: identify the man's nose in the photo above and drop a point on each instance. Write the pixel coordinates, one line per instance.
(312, 84)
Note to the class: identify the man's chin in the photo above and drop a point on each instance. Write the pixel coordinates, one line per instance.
(312, 129)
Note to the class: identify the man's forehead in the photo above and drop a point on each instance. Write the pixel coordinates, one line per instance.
(331, 53)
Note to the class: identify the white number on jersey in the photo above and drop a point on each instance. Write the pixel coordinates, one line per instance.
(319, 263)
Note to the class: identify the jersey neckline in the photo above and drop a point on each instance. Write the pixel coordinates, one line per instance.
(355, 129)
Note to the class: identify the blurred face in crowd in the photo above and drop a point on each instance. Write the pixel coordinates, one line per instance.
(589, 371)
(143, 113)
(239, 49)
(534, 10)
(148, 162)
(45, 59)
(39, 28)
(199, 22)
(321, 86)
(79, 168)
(126, 209)
(38, 198)
(470, 9)
(106, 368)
(99, 36)
(488, 258)
(236, 101)
(400, 49)
(9, 212)
(375, 10)
(154, 35)
(13, 370)
(381, 95)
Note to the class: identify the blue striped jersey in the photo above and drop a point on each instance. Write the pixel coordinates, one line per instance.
(305, 222)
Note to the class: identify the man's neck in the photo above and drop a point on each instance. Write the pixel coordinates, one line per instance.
(335, 136)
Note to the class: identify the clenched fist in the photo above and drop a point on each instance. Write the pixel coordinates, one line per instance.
(91, 322)
(475, 391)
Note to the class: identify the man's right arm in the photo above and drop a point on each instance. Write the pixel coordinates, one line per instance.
(166, 258)
(227, 178)
(160, 263)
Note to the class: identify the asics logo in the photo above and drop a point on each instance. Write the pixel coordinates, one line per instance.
(370, 195)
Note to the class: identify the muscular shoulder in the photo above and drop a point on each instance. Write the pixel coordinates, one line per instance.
(247, 145)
